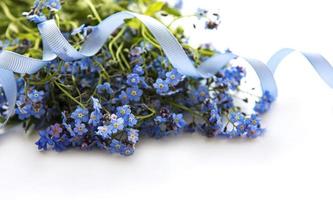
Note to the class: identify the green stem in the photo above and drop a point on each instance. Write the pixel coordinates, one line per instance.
(123, 58)
(14, 19)
(152, 113)
(104, 72)
(68, 94)
(145, 36)
(119, 49)
(93, 10)
(115, 38)
(178, 18)
(249, 93)
(184, 108)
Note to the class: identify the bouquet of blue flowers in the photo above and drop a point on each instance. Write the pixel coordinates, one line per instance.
(130, 88)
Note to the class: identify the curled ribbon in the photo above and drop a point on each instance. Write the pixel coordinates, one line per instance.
(55, 45)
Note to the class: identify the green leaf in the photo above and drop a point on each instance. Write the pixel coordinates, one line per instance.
(154, 8)
(133, 23)
(172, 11)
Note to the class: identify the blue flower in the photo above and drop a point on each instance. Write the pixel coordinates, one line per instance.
(253, 120)
(123, 97)
(245, 126)
(123, 111)
(37, 19)
(84, 63)
(96, 105)
(133, 79)
(104, 88)
(264, 103)
(241, 129)
(80, 129)
(230, 77)
(214, 116)
(134, 93)
(23, 110)
(133, 136)
(61, 144)
(161, 86)
(116, 125)
(55, 130)
(267, 96)
(131, 120)
(136, 51)
(126, 150)
(20, 85)
(160, 119)
(202, 93)
(115, 146)
(66, 125)
(80, 115)
(235, 117)
(226, 100)
(262, 107)
(44, 140)
(178, 120)
(36, 96)
(138, 70)
(254, 131)
(173, 77)
(53, 5)
(95, 117)
(104, 131)
(37, 110)
(253, 128)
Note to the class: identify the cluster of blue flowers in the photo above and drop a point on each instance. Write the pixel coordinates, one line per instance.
(172, 79)
(88, 129)
(112, 100)
(244, 126)
(30, 103)
(36, 14)
(264, 103)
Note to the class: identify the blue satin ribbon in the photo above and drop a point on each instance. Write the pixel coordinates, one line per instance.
(55, 45)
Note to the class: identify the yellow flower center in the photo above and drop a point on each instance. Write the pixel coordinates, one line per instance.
(133, 93)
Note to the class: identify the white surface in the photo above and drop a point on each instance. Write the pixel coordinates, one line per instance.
(292, 161)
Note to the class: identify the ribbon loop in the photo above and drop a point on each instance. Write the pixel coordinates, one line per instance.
(318, 62)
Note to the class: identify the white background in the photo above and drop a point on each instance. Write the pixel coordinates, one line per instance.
(292, 161)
